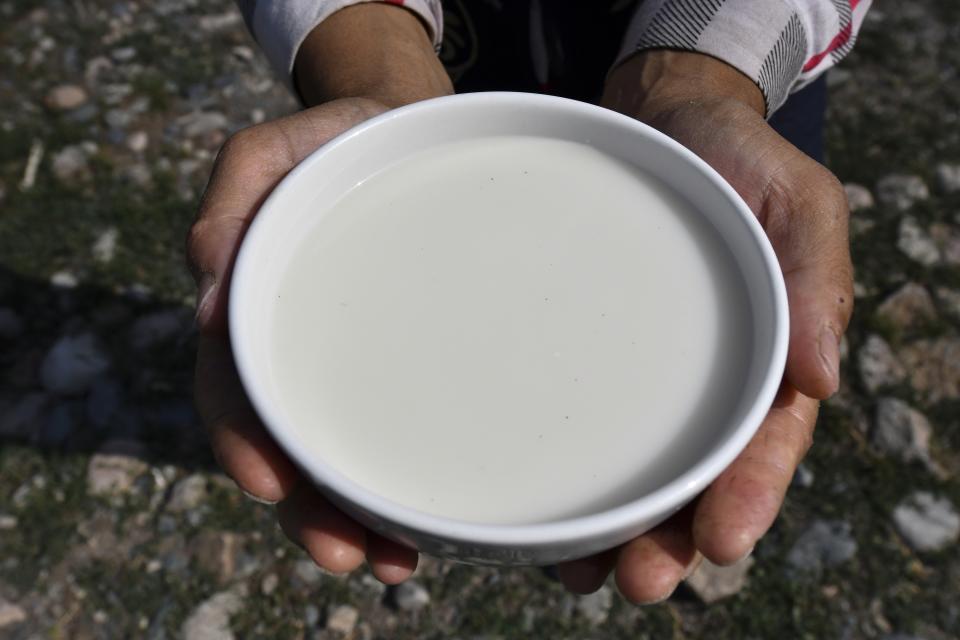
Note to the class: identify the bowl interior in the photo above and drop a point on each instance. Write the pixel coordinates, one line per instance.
(750, 370)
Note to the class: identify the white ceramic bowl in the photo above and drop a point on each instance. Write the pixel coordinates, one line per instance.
(344, 162)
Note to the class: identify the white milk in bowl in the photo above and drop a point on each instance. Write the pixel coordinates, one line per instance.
(510, 330)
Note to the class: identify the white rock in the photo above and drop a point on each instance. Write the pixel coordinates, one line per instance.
(211, 619)
(123, 54)
(8, 522)
(948, 177)
(900, 192)
(711, 582)
(269, 584)
(902, 431)
(11, 614)
(105, 246)
(64, 280)
(188, 493)
(858, 197)
(70, 164)
(916, 243)
(926, 522)
(73, 364)
(824, 544)
(910, 306)
(342, 619)
(199, 123)
(411, 596)
(878, 365)
(950, 299)
(66, 97)
(307, 572)
(138, 141)
(595, 607)
(113, 473)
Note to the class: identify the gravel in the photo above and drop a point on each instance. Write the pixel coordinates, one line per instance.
(595, 607)
(902, 431)
(901, 192)
(911, 306)
(858, 197)
(914, 241)
(73, 364)
(948, 177)
(66, 97)
(711, 583)
(342, 619)
(410, 596)
(211, 619)
(927, 522)
(825, 544)
(878, 366)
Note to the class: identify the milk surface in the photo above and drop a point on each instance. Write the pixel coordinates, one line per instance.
(510, 330)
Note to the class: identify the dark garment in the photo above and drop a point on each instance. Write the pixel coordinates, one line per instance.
(566, 48)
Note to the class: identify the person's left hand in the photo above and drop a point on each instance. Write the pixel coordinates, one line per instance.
(718, 114)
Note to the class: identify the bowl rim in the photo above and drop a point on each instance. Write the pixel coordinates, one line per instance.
(666, 499)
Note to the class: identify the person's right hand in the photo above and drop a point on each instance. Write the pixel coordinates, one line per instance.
(249, 166)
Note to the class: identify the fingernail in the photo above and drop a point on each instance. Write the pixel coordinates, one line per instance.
(830, 355)
(205, 291)
(660, 600)
(746, 555)
(258, 498)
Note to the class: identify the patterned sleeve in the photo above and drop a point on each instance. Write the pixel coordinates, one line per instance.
(281, 26)
(782, 45)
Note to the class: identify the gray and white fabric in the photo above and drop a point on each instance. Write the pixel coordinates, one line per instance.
(782, 45)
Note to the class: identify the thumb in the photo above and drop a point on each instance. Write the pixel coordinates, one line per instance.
(249, 166)
(805, 214)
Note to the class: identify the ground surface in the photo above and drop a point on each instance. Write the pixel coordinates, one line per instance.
(113, 520)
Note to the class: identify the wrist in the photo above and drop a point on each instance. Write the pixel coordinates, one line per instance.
(652, 84)
(372, 50)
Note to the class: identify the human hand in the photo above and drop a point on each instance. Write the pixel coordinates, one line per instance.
(249, 166)
(718, 114)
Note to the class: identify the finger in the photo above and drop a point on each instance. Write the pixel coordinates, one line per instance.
(390, 562)
(334, 541)
(741, 504)
(650, 567)
(586, 575)
(241, 445)
(248, 167)
(806, 220)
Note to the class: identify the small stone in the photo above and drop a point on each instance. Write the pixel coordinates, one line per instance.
(712, 582)
(211, 619)
(878, 365)
(243, 52)
(217, 553)
(73, 364)
(902, 431)
(947, 239)
(138, 141)
(11, 614)
(803, 477)
(910, 306)
(188, 494)
(200, 123)
(916, 243)
(8, 522)
(10, 324)
(113, 473)
(858, 197)
(66, 97)
(826, 543)
(105, 246)
(934, 367)
(927, 523)
(311, 615)
(70, 164)
(157, 328)
(950, 301)
(900, 192)
(269, 584)
(342, 619)
(411, 596)
(123, 54)
(118, 119)
(595, 607)
(219, 21)
(948, 177)
(64, 280)
(307, 572)
(26, 417)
